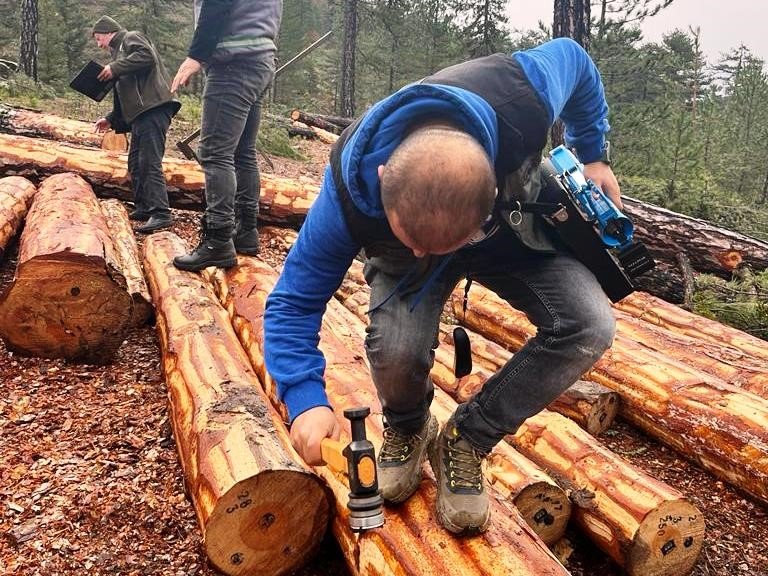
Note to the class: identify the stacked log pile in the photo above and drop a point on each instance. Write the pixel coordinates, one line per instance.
(716, 424)
(260, 509)
(16, 195)
(411, 541)
(36, 124)
(68, 298)
(283, 201)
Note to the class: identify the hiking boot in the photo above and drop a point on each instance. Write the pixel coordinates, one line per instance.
(155, 223)
(215, 249)
(138, 215)
(462, 499)
(401, 458)
(246, 236)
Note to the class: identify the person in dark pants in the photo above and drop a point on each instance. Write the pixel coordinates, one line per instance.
(143, 105)
(235, 41)
(436, 183)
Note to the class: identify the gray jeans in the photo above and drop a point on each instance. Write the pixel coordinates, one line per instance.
(560, 296)
(230, 123)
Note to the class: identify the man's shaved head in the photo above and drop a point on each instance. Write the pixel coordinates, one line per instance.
(439, 187)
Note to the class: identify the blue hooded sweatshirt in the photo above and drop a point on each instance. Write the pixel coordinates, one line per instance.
(568, 84)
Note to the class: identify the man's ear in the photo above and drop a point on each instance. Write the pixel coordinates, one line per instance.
(380, 171)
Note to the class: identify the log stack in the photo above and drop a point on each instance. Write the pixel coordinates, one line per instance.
(16, 195)
(260, 508)
(68, 298)
(411, 541)
(719, 426)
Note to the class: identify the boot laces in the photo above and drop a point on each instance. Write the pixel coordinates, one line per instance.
(464, 465)
(397, 447)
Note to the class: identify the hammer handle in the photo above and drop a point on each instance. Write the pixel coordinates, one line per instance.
(332, 452)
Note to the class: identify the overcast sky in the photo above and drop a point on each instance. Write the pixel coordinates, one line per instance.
(725, 24)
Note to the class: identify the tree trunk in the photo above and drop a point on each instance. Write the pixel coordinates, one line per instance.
(16, 195)
(411, 541)
(349, 48)
(30, 19)
(709, 248)
(719, 426)
(68, 297)
(22, 122)
(260, 509)
(127, 252)
(282, 200)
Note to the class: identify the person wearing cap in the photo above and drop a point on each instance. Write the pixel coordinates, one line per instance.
(234, 41)
(143, 105)
(438, 182)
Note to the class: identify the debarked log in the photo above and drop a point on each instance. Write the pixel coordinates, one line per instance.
(68, 298)
(261, 510)
(127, 252)
(36, 124)
(16, 195)
(659, 313)
(282, 201)
(411, 541)
(621, 509)
(717, 425)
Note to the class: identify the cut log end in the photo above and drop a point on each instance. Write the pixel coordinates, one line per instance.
(546, 509)
(668, 541)
(69, 310)
(260, 527)
(602, 414)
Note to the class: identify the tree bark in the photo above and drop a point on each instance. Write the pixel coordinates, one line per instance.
(709, 248)
(717, 425)
(68, 298)
(349, 49)
(30, 19)
(23, 122)
(16, 195)
(260, 509)
(282, 200)
(411, 541)
(315, 120)
(657, 312)
(127, 252)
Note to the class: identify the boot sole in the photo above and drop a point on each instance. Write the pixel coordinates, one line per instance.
(408, 491)
(196, 268)
(442, 518)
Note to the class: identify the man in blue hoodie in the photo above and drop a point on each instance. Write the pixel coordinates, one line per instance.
(432, 182)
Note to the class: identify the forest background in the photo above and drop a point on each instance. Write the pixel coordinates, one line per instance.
(687, 134)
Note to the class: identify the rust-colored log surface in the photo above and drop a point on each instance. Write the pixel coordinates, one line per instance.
(720, 427)
(618, 506)
(282, 200)
(316, 121)
(127, 252)
(24, 122)
(411, 541)
(708, 247)
(260, 509)
(656, 311)
(68, 298)
(16, 195)
(322, 135)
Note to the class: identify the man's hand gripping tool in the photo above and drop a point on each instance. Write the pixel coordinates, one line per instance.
(358, 461)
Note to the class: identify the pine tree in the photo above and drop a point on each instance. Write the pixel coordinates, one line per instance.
(483, 29)
(30, 20)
